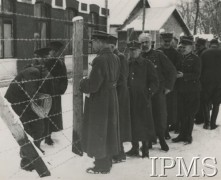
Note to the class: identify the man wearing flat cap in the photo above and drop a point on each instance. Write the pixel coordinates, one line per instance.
(123, 99)
(100, 126)
(175, 58)
(143, 82)
(167, 76)
(188, 88)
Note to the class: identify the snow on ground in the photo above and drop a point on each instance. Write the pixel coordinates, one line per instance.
(64, 165)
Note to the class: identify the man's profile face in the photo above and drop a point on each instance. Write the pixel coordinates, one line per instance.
(96, 45)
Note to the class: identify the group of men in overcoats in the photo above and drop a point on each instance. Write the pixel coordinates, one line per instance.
(121, 101)
(140, 99)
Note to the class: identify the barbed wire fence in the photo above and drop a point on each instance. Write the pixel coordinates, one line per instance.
(69, 125)
(41, 81)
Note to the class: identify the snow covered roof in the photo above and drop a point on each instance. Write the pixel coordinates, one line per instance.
(155, 19)
(209, 37)
(120, 10)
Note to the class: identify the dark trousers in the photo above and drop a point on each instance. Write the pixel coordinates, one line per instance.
(202, 116)
(32, 125)
(188, 105)
(172, 110)
(159, 109)
(215, 111)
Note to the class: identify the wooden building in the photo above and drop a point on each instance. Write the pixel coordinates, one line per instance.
(167, 18)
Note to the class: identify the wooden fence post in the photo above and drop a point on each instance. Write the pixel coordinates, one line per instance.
(12, 121)
(77, 65)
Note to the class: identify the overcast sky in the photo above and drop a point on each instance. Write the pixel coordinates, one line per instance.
(160, 3)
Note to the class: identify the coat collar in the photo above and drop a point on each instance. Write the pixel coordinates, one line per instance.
(104, 50)
(138, 60)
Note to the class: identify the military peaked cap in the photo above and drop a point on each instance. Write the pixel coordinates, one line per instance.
(214, 41)
(112, 40)
(201, 41)
(133, 45)
(55, 45)
(167, 36)
(186, 40)
(100, 35)
(42, 52)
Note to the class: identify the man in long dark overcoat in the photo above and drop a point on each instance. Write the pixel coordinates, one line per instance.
(211, 83)
(143, 82)
(27, 85)
(167, 76)
(176, 58)
(100, 128)
(188, 87)
(200, 47)
(123, 99)
(58, 70)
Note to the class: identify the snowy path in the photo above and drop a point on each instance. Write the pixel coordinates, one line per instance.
(64, 165)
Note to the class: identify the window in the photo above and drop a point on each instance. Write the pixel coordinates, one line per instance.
(59, 2)
(6, 29)
(92, 25)
(69, 14)
(42, 25)
(6, 5)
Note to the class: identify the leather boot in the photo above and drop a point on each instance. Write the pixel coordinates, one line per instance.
(49, 141)
(163, 144)
(145, 149)
(134, 151)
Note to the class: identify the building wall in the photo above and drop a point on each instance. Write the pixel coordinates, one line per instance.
(24, 28)
(172, 25)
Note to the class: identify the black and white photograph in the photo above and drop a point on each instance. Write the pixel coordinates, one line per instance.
(110, 89)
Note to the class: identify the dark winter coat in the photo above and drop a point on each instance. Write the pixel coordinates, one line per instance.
(100, 128)
(176, 58)
(167, 75)
(124, 99)
(200, 52)
(191, 69)
(211, 75)
(59, 72)
(25, 85)
(165, 69)
(143, 82)
(173, 55)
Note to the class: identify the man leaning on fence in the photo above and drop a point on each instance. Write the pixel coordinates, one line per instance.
(26, 95)
(100, 133)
